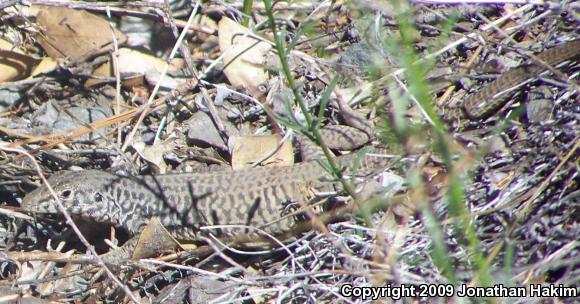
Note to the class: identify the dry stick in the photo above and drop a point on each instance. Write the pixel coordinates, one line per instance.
(210, 105)
(71, 223)
(518, 200)
(102, 135)
(13, 133)
(117, 74)
(43, 280)
(185, 53)
(220, 252)
(472, 35)
(98, 6)
(257, 230)
(8, 4)
(451, 89)
(57, 257)
(62, 136)
(259, 7)
(192, 269)
(151, 99)
(49, 266)
(523, 213)
(558, 255)
(66, 135)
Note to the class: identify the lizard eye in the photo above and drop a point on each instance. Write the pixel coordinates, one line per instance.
(65, 194)
(98, 197)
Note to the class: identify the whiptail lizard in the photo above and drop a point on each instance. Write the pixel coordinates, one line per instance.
(253, 197)
(486, 101)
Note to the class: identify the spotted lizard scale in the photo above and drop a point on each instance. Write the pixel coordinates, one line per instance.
(255, 197)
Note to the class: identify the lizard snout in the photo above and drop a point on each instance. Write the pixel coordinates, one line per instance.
(39, 201)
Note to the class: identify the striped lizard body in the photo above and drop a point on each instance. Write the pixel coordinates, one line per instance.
(255, 197)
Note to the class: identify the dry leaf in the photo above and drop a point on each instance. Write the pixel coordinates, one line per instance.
(154, 154)
(74, 34)
(360, 92)
(133, 66)
(244, 56)
(249, 149)
(154, 240)
(46, 65)
(14, 64)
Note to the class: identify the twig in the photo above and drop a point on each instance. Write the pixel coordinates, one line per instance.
(117, 74)
(151, 99)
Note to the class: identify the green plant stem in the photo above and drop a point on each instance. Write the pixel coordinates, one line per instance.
(312, 127)
(247, 9)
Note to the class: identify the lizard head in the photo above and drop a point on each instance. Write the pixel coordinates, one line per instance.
(84, 194)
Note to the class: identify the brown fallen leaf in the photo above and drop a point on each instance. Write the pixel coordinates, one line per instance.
(244, 56)
(249, 149)
(153, 154)
(134, 66)
(46, 65)
(154, 240)
(74, 34)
